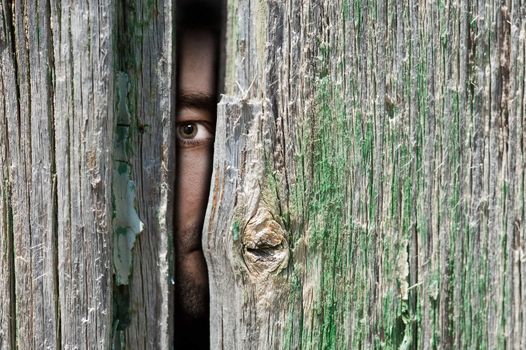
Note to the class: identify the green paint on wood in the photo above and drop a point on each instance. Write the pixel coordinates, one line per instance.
(126, 222)
(320, 203)
(122, 168)
(235, 230)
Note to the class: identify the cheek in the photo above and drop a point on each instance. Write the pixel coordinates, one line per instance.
(192, 183)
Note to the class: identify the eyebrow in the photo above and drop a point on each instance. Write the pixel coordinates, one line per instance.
(195, 100)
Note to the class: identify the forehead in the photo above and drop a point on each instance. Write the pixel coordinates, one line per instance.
(196, 61)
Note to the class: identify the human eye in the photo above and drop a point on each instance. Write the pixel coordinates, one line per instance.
(193, 133)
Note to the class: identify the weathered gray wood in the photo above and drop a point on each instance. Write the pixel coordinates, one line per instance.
(149, 63)
(255, 252)
(84, 103)
(368, 185)
(29, 224)
(59, 103)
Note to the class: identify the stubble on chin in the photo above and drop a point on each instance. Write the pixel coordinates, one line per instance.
(191, 276)
(192, 297)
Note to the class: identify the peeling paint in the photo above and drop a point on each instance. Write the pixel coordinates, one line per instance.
(127, 225)
(126, 222)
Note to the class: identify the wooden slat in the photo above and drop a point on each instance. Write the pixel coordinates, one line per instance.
(84, 117)
(150, 65)
(59, 99)
(389, 149)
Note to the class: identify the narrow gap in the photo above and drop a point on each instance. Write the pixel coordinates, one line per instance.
(10, 230)
(522, 148)
(52, 138)
(200, 57)
(8, 219)
(12, 275)
(25, 20)
(9, 18)
(69, 129)
(121, 292)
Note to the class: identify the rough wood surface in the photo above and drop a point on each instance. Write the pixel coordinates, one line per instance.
(59, 108)
(369, 176)
(8, 105)
(146, 54)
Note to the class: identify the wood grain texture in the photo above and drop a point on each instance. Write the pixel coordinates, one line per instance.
(7, 106)
(146, 55)
(58, 101)
(368, 185)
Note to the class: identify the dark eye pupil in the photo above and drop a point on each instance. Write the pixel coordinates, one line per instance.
(188, 130)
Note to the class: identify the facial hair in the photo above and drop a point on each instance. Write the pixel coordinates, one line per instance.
(191, 277)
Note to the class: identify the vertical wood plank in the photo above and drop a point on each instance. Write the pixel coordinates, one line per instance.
(147, 45)
(391, 141)
(59, 96)
(59, 99)
(19, 126)
(42, 184)
(84, 126)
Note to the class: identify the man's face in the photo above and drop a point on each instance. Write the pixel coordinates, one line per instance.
(196, 98)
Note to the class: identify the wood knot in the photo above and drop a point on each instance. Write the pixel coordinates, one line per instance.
(265, 246)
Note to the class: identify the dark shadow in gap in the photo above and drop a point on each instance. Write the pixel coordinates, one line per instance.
(198, 36)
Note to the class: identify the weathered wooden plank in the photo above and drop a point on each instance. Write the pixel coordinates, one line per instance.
(147, 59)
(61, 276)
(55, 214)
(390, 138)
(19, 128)
(84, 125)
(42, 183)
(244, 208)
